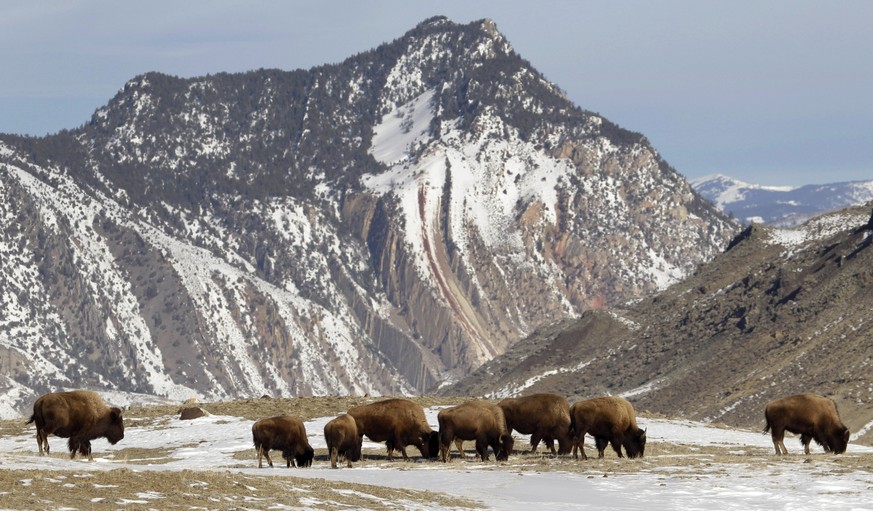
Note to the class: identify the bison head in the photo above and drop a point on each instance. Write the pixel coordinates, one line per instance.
(304, 459)
(115, 430)
(354, 454)
(839, 440)
(636, 444)
(506, 445)
(431, 442)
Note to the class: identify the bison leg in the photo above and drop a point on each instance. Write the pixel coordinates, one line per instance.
(579, 446)
(535, 441)
(334, 454)
(482, 448)
(550, 443)
(805, 439)
(42, 441)
(459, 444)
(445, 446)
(616, 446)
(778, 436)
(74, 445)
(264, 452)
(85, 450)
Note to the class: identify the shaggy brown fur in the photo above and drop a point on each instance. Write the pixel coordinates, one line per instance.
(80, 416)
(542, 416)
(341, 435)
(283, 433)
(475, 420)
(397, 422)
(810, 416)
(610, 420)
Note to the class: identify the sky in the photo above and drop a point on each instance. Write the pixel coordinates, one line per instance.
(772, 93)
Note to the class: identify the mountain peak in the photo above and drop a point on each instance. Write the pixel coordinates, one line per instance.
(374, 226)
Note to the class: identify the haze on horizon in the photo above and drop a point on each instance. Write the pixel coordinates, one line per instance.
(774, 93)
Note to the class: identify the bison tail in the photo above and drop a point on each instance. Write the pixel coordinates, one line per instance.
(31, 419)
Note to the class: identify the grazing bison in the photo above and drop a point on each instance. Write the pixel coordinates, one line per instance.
(283, 433)
(610, 420)
(475, 420)
(812, 417)
(542, 416)
(397, 422)
(80, 416)
(341, 436)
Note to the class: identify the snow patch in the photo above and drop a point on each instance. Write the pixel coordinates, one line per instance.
(403, 128)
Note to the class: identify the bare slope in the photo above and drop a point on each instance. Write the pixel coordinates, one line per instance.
(782, 311)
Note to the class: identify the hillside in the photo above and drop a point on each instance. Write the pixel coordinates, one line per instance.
(382, 225)
(782, 311)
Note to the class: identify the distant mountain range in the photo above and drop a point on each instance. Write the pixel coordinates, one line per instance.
(783, 206)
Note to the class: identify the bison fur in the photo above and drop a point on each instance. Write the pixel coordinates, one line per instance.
(542, 416)
(341, 436)
(78, 415)
(283, 433)
(397, 422)
(812, 417)
(610, 420)
(480, 421)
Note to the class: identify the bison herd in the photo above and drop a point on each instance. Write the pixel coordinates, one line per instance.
(81, 416)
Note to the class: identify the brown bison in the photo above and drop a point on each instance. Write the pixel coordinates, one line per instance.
(341, 435)
(283, 433)
(542, 416)
(481, 421)
(80, 416)
(397, 422)
(812, 417)
(610, 420)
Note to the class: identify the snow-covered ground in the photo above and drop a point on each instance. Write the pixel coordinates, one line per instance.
(756, 480)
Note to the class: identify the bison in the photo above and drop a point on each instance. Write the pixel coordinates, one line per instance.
(811, 416)
(397, 422)
(610, 420)
(481, 421)
(283, 433)
(542, 416)
(80, 416)
(341, 436)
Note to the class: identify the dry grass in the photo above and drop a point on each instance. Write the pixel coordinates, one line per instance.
(227, 488)
(132, 489)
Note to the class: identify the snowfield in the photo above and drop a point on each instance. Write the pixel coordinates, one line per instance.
(742, 474)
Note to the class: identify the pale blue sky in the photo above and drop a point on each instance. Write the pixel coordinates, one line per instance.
(771, 92)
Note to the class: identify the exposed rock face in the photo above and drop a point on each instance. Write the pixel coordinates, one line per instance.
(380, 226)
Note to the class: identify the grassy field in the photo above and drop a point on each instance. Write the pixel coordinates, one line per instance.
(128, 482)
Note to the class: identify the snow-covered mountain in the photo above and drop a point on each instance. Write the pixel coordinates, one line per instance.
(382, 225)
(783, 206)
